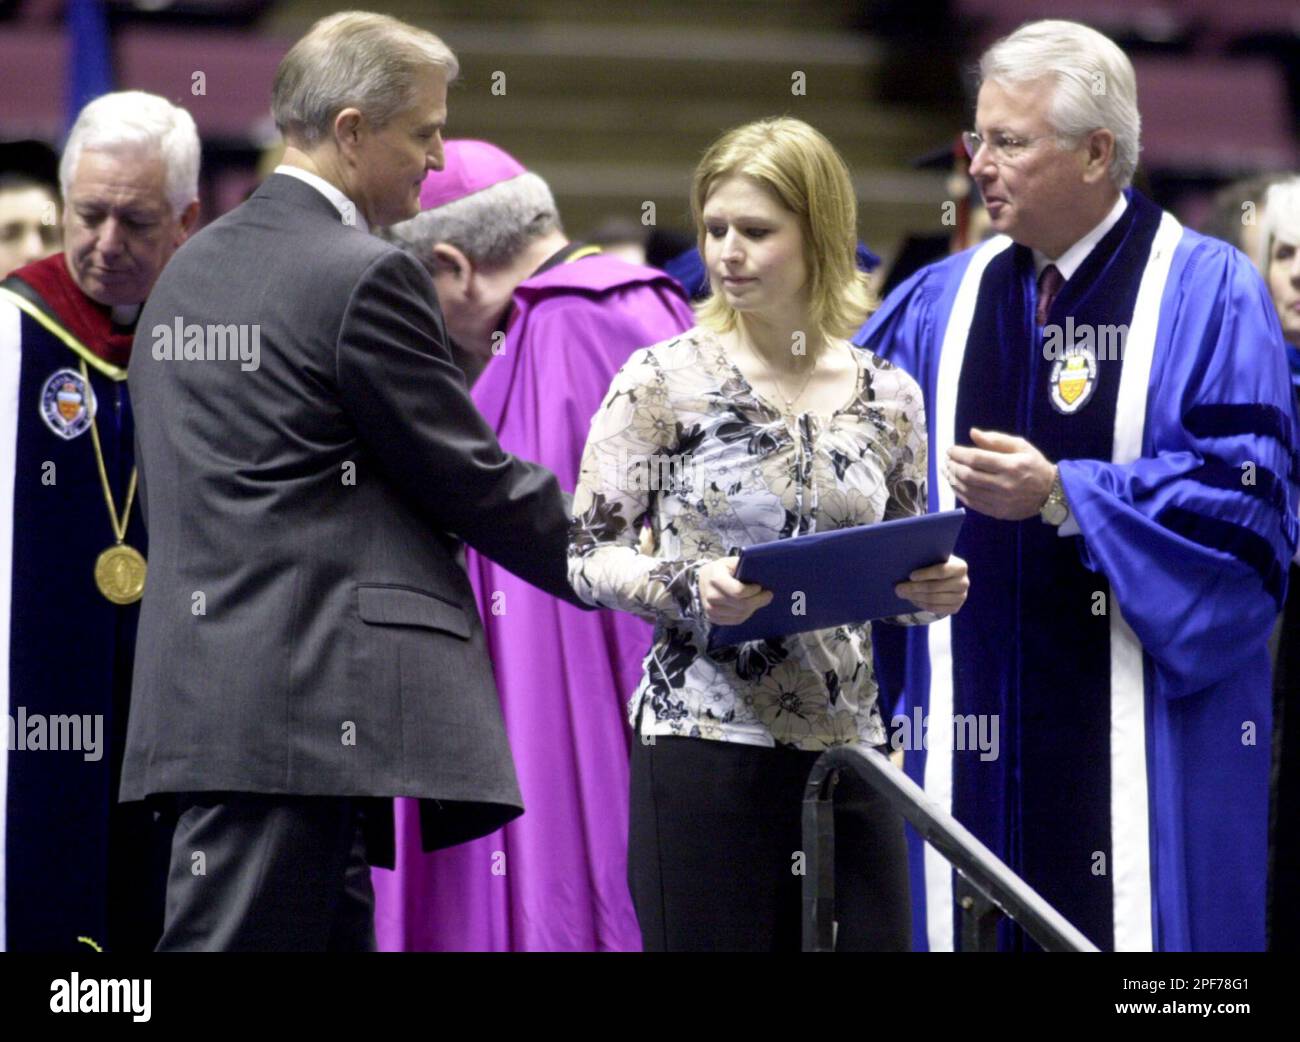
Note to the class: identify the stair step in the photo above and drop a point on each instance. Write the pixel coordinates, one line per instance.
(611, 127)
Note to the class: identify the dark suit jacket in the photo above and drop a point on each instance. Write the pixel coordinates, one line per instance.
(305, 627)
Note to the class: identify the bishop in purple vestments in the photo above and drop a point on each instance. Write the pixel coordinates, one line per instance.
(541, 325)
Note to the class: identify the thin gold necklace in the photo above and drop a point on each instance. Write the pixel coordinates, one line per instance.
(789, 402)
(770, 374)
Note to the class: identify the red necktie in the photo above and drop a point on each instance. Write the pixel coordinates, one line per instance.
(1049, 284)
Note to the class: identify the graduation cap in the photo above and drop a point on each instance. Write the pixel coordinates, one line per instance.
(950, 156)
(34, 160)
(919, 250)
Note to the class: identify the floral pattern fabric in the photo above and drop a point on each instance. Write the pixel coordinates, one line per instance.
(683, 444)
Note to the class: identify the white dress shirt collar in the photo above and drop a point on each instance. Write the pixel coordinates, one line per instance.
(346, 207)
(1068, 262)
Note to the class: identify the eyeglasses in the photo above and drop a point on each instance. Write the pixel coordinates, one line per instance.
(1003, 148)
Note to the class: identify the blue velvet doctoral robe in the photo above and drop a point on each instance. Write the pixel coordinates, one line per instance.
(1126, 665)
(77, 869)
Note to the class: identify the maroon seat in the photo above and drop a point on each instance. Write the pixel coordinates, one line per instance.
(32, 82)
(238, 70)
(1158, 20)
(1214, 115)
(1220, 22)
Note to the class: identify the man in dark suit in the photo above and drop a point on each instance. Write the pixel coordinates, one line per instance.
(308, 644)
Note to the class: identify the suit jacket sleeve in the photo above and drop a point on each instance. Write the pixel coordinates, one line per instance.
(412, 409)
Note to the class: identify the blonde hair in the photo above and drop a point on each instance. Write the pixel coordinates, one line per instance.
(353, 58)
(809, 178)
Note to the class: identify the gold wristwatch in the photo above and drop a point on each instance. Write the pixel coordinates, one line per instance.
(1055, 510)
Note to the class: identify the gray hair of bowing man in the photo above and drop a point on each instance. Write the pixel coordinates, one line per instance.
(491, 227)
(486, 225)
(352, 59)
(1095, 84)
(132, 121)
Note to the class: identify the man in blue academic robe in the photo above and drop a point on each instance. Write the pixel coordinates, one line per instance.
(1108, 396)
(78, 871)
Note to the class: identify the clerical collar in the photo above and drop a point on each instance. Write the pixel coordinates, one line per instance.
(123, 316)
(49, 285)
(346, 207)
(1068, 262)
(570, 252)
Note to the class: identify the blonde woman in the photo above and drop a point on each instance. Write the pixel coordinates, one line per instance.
(760, 423)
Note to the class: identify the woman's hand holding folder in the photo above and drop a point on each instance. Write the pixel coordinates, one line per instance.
(728, 601)
(940, 588)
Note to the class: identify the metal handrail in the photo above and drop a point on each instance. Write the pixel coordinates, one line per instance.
(986, 887)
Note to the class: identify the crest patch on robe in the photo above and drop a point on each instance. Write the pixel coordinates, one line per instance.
(67, 404)
(1072, 380)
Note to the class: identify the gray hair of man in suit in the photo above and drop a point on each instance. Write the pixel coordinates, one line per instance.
(353, 58)
(361, 101)
(1095, 83)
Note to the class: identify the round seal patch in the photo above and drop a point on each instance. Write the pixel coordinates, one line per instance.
(67, 404)
(1072, 380)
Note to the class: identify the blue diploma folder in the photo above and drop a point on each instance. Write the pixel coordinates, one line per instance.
(846, 576)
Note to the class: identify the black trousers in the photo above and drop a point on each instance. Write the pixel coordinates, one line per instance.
(714, 844)
(254, 872)
(1284, 810)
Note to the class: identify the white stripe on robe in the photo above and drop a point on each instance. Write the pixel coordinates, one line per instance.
(1130, 835)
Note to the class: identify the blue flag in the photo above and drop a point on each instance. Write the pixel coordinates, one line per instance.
(90, 56)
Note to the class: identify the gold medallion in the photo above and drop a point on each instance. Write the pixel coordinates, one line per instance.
(119, 570)
(119, 574)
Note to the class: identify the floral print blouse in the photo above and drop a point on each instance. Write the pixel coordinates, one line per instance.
(683, 443)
